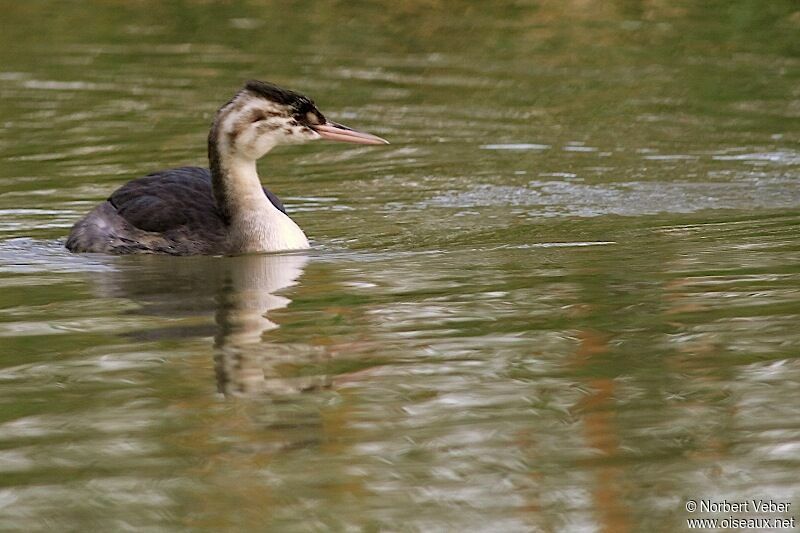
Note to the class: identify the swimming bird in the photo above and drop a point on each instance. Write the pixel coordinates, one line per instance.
(222, 210)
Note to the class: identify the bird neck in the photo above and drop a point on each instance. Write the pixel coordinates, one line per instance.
(233, 179)
(237, 187)
(255, 224)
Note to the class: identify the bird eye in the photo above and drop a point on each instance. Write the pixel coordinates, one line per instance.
(312, 118)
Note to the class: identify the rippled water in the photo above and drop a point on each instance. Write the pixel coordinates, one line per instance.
(565, 298)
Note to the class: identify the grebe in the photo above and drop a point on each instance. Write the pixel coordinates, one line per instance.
(222, 210)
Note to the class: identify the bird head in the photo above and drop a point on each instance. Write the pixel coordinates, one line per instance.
(262, 116)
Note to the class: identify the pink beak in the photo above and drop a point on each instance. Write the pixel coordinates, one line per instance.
(336, 132)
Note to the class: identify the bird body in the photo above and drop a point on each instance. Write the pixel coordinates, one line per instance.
(223, 210)
(168, 212)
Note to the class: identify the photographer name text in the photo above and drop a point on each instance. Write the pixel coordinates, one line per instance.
(746, 506)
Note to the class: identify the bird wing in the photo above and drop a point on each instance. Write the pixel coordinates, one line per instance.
(173, 199)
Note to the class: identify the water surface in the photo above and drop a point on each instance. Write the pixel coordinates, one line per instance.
(565, 298)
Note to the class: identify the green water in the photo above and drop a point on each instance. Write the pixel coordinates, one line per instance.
(565, 298)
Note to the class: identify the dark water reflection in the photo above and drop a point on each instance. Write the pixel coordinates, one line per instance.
(564, 299)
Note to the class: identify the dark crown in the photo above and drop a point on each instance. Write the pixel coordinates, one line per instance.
(279, 95)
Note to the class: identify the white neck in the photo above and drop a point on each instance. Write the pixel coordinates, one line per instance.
(255, 224)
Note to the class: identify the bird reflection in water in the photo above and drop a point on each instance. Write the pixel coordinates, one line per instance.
(239, 292)
(247, 294)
